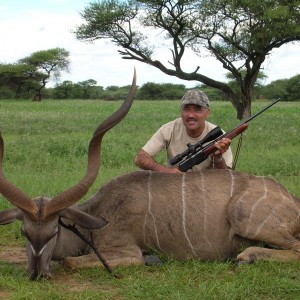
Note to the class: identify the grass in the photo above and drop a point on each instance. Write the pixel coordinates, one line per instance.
(174, 280)
(45, 153)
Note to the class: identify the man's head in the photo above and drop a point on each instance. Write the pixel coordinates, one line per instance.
(194, 112)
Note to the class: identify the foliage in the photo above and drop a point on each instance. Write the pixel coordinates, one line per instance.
(63, 90)
(47, 63)
(239, 34)
(276, 89)
(285, 89)
(17, 77)
(31, 74)
(154, 91)
(256, 88)
(293, 88)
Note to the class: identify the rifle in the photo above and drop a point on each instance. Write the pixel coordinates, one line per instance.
(195, 154)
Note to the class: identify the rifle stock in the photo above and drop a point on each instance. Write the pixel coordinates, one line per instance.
(230, 135)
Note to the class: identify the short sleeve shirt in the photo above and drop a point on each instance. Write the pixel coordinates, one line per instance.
(173, 137)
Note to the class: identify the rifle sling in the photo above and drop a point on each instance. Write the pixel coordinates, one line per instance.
(90, 243)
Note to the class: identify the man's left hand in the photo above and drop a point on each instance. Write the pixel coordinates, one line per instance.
(222, 146)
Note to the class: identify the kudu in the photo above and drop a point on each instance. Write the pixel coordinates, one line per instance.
(208, 216)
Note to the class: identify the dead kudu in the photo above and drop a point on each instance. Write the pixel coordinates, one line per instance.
(208, 216)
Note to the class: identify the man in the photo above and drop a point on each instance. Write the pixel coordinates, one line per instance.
(175, 135)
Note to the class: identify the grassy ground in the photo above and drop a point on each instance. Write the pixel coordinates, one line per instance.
(45, 152)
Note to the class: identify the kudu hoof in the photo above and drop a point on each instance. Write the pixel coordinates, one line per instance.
(249, 259)
(152, 260)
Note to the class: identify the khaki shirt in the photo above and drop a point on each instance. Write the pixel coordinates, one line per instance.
(173, 137)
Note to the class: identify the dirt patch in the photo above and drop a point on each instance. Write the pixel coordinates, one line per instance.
(60, 276)
(15, 255)
(5, 295)
(76, 285)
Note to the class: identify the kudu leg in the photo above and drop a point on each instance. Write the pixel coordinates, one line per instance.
(287, 247)
(252, 254)
(116, 257)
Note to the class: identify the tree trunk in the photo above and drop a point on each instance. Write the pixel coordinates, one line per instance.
(242, 102)
(245, 110)
(37, 98)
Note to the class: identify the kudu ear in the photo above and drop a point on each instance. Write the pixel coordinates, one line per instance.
(11, 215)
(83, 219)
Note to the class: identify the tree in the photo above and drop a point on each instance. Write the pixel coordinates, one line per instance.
(156, 91)
(81, 90)
(47, 65)
(240, 34)
(87, 87)
(150, 90)
(276, 89)
(114, 92)
(293, 88)
(63, 90)
(256, 87)
(16, 77)
(285, 89)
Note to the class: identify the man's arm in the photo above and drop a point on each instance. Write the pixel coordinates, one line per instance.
(146, 162)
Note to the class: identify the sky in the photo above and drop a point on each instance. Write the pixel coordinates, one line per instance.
(28, 26)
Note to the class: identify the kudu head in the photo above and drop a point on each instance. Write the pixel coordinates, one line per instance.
(40, 216)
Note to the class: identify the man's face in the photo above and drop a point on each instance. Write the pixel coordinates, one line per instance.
(193, 117)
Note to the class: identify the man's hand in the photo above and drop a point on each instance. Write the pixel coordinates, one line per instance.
(222, 146)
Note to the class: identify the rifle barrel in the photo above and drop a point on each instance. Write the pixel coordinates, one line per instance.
(261, 111)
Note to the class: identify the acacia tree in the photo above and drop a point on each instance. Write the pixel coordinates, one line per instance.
(47, 65)
(87, 87)
(15, 76)
(240, 34)
(63, 90)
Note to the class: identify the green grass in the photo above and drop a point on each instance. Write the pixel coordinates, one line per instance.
(46, 151)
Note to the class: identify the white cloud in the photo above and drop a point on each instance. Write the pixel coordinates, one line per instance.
(25, 29)
(283, 63)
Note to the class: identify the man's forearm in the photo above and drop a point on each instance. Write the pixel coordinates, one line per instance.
(144, 161)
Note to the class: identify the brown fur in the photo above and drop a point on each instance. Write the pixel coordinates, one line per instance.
(208, 216)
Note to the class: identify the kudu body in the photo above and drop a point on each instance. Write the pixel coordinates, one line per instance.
(208, 216)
